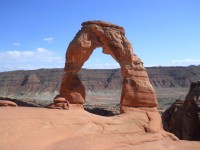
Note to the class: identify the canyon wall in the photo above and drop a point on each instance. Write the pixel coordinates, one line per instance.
(43, 84)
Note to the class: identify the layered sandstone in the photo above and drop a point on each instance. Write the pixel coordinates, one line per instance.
(59, 103)
(137, 90)
(168, 82)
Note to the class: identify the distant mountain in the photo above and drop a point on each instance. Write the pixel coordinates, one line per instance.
(44, 84)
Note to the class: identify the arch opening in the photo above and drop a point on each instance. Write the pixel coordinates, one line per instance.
(101, 77)
(99, 60)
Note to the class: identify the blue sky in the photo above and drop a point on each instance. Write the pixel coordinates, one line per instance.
(35, 33)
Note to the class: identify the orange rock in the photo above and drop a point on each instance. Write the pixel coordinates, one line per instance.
(59, 103)
(58, 106)
(137, 91)
(7, 103)
(59, 99)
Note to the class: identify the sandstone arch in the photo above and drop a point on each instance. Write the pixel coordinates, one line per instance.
(137, 91)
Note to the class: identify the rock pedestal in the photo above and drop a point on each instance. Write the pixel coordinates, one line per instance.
(136, 91)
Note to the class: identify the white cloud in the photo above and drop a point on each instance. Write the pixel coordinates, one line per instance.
(48, 39)
(17, 54)
(17, 44)
(39, 58)
(187, 61)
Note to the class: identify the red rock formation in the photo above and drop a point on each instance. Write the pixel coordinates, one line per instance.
(59, 103)
(4, 103)
(183, 118)
(137, 91)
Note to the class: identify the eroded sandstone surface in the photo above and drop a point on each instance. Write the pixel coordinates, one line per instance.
(137, 90)
(76, 129)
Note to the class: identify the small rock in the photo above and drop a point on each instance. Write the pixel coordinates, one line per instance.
(4, 103)
(59, 99)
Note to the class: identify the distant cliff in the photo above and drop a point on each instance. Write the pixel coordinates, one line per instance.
(44, 83)
(173, 76)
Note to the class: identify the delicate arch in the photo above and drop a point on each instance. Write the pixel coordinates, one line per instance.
(137, 91)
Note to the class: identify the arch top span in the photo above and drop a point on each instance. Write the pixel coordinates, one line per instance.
(95, 34)
(137, 91)
(103, 24)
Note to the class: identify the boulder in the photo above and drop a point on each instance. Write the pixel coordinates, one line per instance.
(59, 103)
(59, 99)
